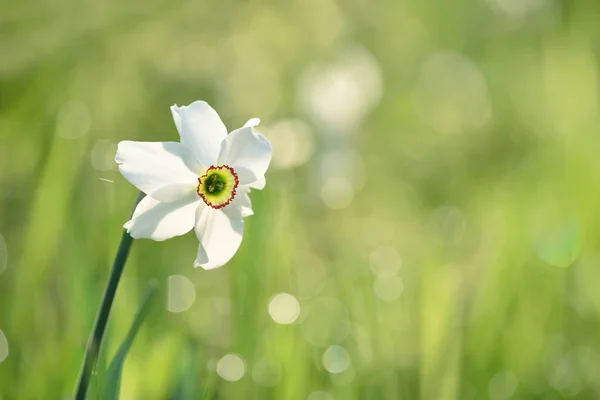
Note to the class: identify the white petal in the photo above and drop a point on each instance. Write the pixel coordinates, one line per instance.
(260, 183)
(201, 130)
(175, 191)
(252, 122)
(219, 235)
(163, 170)
(175, 110)
(156, 220)
(240, 206)
(249, 153)
(246, 176)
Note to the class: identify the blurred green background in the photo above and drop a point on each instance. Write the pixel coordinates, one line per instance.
(429, 229)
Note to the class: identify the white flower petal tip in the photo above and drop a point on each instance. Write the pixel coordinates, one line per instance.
(252, 122)
(220, 236)
(156, 220)
(249, 153)
(163, 170)
(201, 183)
(200, 129)
(207, 266)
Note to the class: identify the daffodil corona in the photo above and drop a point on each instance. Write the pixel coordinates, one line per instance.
(218, 185)
(200, 183)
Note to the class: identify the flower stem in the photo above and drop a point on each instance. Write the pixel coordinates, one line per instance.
(95, 340)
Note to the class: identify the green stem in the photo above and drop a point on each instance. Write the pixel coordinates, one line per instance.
(95, 340)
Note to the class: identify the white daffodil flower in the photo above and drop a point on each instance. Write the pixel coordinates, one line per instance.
(200, 183)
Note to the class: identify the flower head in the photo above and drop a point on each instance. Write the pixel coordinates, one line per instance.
(200, 183)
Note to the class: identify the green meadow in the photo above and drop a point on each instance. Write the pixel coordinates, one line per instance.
(430, 228)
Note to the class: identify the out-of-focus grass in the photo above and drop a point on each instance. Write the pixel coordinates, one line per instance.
(433, 202)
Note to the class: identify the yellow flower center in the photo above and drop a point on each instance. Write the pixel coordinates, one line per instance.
(218, 185)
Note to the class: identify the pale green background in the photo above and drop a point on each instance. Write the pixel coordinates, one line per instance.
(433, 202)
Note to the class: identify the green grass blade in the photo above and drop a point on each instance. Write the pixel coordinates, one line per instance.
(112, 380)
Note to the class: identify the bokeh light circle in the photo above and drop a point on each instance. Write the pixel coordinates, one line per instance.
(388, 288)
(231, 367)
(3, 346)
(340, 94)
(337, 192)
(451, 94)
(284, 308)
(181, 293)
(558, 245)
(385, 261)
(102, 155)
(292, 141)
(336, 359)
